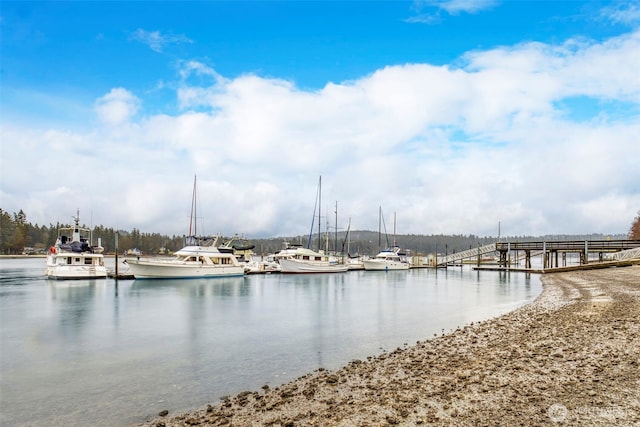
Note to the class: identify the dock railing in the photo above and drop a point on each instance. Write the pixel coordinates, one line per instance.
(469, 253)
(629, 254)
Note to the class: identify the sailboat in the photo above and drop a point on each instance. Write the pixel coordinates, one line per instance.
(390, 258)
(200, 258)
(298, 259)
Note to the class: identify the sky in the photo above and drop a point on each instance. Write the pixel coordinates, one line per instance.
(453, 117)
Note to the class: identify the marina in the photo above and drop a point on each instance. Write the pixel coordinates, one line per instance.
(97, 352)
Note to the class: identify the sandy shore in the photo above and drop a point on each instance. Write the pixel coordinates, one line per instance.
(572, 357)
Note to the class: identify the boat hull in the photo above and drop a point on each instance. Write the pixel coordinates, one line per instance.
(378, 265)
(152, 269)
(58, 269)
(302, 266)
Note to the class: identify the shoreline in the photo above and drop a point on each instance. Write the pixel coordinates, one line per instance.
(570, 357)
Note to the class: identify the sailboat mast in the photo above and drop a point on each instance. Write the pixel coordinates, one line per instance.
(193, 226)
(319, 212)
(349, 237)
(335, 249)
(394, 229)
(380, 228)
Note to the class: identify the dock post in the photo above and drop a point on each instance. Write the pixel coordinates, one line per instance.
(446, 254)
(544, 255)
(116, 258)
(586, 252)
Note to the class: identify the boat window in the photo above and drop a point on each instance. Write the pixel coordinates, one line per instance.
(77, 261)
(69, 260)
(87, 261)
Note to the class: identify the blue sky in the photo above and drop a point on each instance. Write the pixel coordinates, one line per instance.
(454, 114)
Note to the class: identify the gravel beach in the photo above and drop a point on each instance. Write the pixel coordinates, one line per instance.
(572, 357)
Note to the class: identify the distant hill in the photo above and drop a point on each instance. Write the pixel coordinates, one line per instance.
(369, 242)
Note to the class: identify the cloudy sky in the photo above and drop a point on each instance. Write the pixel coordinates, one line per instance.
(456, 115)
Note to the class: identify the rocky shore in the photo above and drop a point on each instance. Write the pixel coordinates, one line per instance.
(572, 357)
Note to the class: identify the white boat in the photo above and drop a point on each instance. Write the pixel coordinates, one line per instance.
(355, 263)
(296, 259)
(202, 260)
(260, 264)
(390, 258)
(73, 257)
(243, 251)
(387, 259)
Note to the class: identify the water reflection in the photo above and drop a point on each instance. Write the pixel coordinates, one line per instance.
(93, 352)
(231, 286)
(73, 301)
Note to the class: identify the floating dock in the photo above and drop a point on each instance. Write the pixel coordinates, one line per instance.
(122, 275)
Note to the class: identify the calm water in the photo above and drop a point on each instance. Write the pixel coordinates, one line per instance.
(93, 353)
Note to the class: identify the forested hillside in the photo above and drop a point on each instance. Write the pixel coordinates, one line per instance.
(18, 235)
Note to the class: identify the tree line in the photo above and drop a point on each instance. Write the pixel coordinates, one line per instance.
(18, 235)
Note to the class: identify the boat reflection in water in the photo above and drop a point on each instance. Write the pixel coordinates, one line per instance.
(217, 287)
(105, 353)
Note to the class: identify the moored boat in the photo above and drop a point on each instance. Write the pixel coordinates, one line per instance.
(355, 263)
(387, 259)
(390, 258)
(200, 260)
(73, 257)
(296, 259)
(243, 251)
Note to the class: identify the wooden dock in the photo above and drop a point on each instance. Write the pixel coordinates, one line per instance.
(589, 266)
(554, 253)
(122, 275)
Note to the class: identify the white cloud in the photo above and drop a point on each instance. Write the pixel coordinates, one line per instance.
(451, 150)
(622, 12)
(156, 40)
(455, 7)
(117, 107)
(451, 7)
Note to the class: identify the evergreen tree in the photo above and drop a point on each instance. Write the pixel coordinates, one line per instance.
(634, 231)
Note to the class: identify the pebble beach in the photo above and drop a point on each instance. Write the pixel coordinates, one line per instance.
(571, 358)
